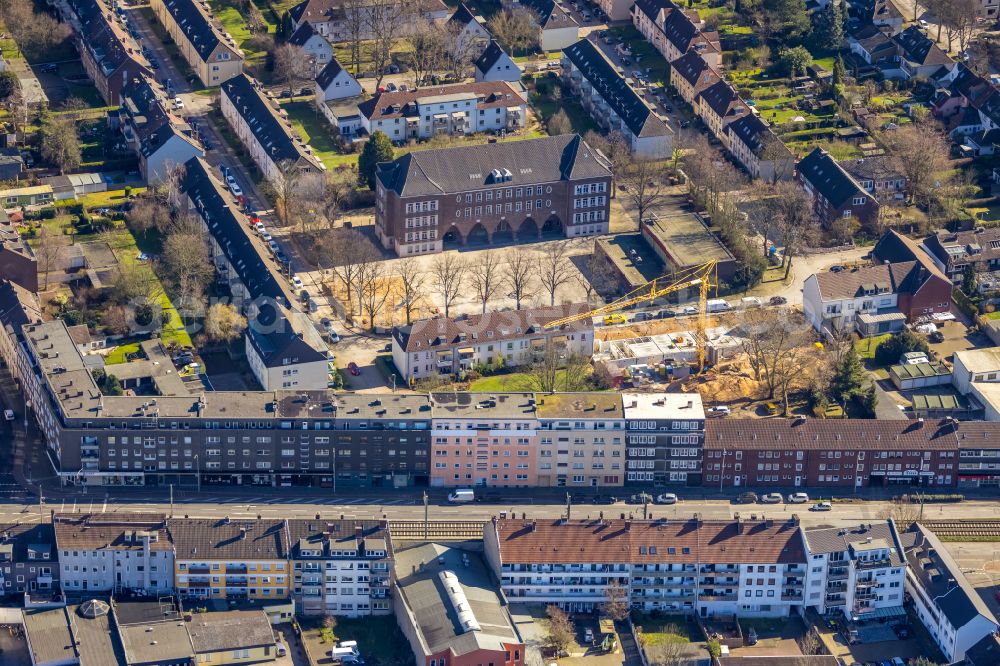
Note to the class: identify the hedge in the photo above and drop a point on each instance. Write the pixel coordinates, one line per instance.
(964, 303)
(932, 499)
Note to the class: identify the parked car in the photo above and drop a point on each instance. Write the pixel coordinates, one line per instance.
(642, 316)
(641, 498)
(666, 498)
(936, 336)
(353, 367)
(689, 310)
(234, 187)
(798, 498)
(665, 314)
(771, 498)
(778, 300)
(8, 415)
(718, 410)
(752, 636)
(746, 498)
(837, 268)
(612, 319)
(821, 506)
(178, 103)
(296, 282)
(588, 635)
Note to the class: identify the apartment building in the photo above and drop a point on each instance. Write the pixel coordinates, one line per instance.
(18, 262)
(457, 345)
(313, 45)
(557, 27)
(455, 110)
(202, 41)
(496, 65)
(880, 175)
(484, 439)
(718, 106)
(581, 440)
(29, 559)
(432, 199)
(110, 55)
(750, 568)
(268, 136)
(287, 353)
(468, 28)
(690, 75)
(341, 567)
(339, 20)
(162, 140)
(817, 453)
(230, 559)
(612, 103)
(835, 193)
(665, 433)
(114, 553)
(954, 251)
(759, 150)
(857, 573)
(682, 33)
(951, 609)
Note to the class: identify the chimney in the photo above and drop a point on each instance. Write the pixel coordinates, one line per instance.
(697, 519)
(739, 523)
(920, 422)
(358, 531)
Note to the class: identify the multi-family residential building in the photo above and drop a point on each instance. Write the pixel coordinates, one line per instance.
(856, 573)
(341, 567)
(951, 609)
(581, 440)
(955, 251)
(484, 439)
(230, 559)
(467, 28)
(612, 102)
(875, 299)
(917, 56)
(880, 175)
(202, 41)
(110, 55)
(719, 105)
(690, 75)
(836, 194)
(665, 433)
(335, 83)
(881, 14)
(750, 568)
(313, 46)
(448, 608)
(456, 345)
(29, 559)
(430, 199)
(270, 140)
(340, 21)
(823, 454)
(495, 65)
(162, 141)
(18, 262)
(455, 110)
(114, 552)
(557, 27)
(682, 33)
(759, 150)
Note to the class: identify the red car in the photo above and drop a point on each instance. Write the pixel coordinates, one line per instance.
(353, 367)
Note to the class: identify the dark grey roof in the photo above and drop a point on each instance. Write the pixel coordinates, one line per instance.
(723, 99)
(463, 15)
(329, 72)
(240, 540)
(755, 133)
(272, 134)
(942, 579)
(826, 540)
(195, 25)
(690, 67)
(918, 47)
(281, 343)
(680, 30)
(230, 630)
(984, 653)
(879, 167)
(333, 535)
(226, 225)
(490, 55)
(651, 8)
(620, 96)
(549, 13)
(532, 161)
(828, 178)
(302, 34)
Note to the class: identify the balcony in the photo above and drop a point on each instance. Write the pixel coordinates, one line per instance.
(789, 595)
(198, 569)
(839, 573)
(717, 597)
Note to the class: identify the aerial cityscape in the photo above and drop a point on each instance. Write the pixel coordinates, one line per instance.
(500, 332)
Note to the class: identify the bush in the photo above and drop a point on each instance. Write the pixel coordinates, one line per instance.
(714, 649)
(933, 499)
(904, 342)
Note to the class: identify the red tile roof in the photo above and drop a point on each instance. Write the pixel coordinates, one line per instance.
(547, 541)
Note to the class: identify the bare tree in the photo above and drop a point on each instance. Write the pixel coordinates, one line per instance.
(598, 273)
(295, 193)
(335, 194)
(348, 251)
(769, 338)
(668, 653)
(48, 254)
(515, 31)
(554, 268)
(794, 218)
(373, 290)
(616, 603)
(461, 52)
(291, 65)
(922, 150)
(385, 23)
(519, 271)
(448, 270)
(485, 276)
(959, 20)
(35, 32)
(186, 267)
(559, 124)
(412, 278)
(428, 41)
(355, 19)
(776, 152)
(148, 212)
(642, 184)
(60, 143)
(901, 512)
(224, 323)
(810, 642)
(559, 630)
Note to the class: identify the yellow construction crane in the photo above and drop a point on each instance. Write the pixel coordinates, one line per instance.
(703, 277)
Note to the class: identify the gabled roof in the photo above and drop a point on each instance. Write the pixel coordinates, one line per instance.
(902, 277)
(285, 342)
(692, 68)
(724, 101)
(852, 434)
(329, 72)
(683, 34)
(224, 539)
(756, 135)
(920, 49)
(962, 246)
(462, 16)
(317, 10)
(490, 56)
(829, 179)
(826, 540)
(401, 103)
(302, 34)
(879, 167)
(107, 39)
(550, 14)
(199, 27)
(652, 8)
(591, 62)
(532, 161)
(881, 10)
(277, 139)
(894, 247)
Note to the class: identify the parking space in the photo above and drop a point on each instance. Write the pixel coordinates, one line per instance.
(775, 637)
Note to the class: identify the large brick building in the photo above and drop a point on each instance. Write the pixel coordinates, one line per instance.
(514, 190)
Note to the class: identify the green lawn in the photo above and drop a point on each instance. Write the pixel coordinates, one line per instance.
(378, 637)
(662, 630)
(512, 381)
(119, 354)
(109, 198)
(316, 131)
(866, 347)
(992, 315)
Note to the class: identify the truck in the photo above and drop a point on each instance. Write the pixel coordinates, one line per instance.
(717, 305)
(462, 496)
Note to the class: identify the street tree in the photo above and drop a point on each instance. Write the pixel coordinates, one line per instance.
(485, 276)
(412, 279)
(224, 323)
(449, 271)
(373, 289)
(598, 274)
(385, 22)
(461, 50)
(794, 218)
(643, 183)
(554, 268)
(428, 41)
(355, 23)
(520, 270)
(516, 31)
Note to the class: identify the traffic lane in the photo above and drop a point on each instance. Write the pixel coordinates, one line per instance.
(167, 68)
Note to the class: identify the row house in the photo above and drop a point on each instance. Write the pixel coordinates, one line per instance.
(581, 440)
(665, 436)
(825, 455)
(264, 130)
(29, 560)
(718, 106)
(955, 615)
(202, 41)
(110, 55)
(341, 20)
(230, 559)
(856, 574)
(754, 144)
(114, 553)
(690, 75)
(836, 194)
(431, 199)
(745, 567)
(18, 262)
(613, 103)
(485, 440)
(162, 140)
(455, 110)
(467, 28)
(341, 567)
(675, 31)
(457, 345)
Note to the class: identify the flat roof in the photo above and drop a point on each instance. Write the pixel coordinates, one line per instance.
(157, 642)
(685, 240)
(483, 405)
(915, 370)
(49, 636)
(592, 405)
(632, 258)
(663, 405)
(980, 360)
(939, 400)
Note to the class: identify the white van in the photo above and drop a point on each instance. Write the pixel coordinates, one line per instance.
(461, 496)
(717, 305)
(350, 645)
(342, 655)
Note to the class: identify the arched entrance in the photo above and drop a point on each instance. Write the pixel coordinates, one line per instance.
(477, 236)
(552, 228)
(452, 238)
(528, 231)
(503, 235)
